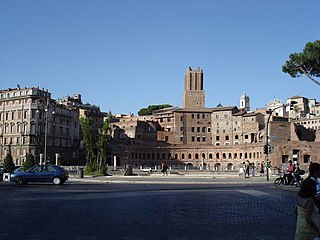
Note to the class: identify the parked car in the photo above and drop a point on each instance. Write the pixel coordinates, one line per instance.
(146, 169)
(40, 173)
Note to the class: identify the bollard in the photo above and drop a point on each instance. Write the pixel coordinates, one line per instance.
(80, 171)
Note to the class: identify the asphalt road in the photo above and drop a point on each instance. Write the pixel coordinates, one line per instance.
(146, 211)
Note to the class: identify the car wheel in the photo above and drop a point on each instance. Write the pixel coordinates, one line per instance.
(56, 181)
(19, 180)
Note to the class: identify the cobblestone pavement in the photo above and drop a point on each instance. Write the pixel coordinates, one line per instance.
(147, 211)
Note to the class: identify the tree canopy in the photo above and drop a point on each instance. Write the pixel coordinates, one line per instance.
(88, 137)
(29, 162)
(103, 143)
(8, 165)
(150, 108)
(305, 63)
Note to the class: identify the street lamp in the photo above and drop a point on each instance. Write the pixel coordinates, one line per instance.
(22, 136)
(1, 138)
(46, 102)
(267, 134)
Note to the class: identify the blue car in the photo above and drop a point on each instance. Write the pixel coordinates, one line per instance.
(40, 173)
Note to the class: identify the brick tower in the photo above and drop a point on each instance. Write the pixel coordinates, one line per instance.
(193, 95)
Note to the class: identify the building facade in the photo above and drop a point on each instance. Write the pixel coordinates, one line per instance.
(214, 138)
(32, 122)
(84, 111)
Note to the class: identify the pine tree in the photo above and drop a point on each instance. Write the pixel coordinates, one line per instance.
(29, 162)
(8, 165)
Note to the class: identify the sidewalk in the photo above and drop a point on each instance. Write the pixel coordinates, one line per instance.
(176, 179)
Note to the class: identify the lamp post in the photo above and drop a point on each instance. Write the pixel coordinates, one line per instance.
(46, 103)
(22, 136)
(1, 138)
(267, 134)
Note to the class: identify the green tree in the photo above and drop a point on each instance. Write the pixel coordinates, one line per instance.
(151, 108)
(305, 63)
(86, 125)
(103, 144)
(8, 165)
(29, 162)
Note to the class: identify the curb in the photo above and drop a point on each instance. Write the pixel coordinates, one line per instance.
(172, 180)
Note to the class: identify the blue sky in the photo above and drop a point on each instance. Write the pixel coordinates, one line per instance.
(125, 55)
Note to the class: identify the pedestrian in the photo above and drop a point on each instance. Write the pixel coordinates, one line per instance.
(309, 165)
(241, 169)
(307, 206)
(247, 169)
(164, 168)
(261, 169)
(125, 168)
(253, 169)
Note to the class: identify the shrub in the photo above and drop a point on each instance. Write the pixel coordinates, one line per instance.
(8, 165)
(29, 162)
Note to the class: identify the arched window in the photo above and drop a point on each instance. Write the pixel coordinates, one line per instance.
(176, 156)
(12, 128)
(197, 156)
(250, 155)
(230, 155)
(203, 155)
(217, 156)
(224, 156)
(235, 155)
(182, 156)
(230, 166)
(245, 155)
(217, 166)
(189, 156)
(210, 156)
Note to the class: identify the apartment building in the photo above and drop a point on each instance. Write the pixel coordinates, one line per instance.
(32, 122)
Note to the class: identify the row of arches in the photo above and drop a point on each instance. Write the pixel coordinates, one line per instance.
(195, 156)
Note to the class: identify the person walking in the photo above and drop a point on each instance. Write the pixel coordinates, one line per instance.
(253, 170)
(247, 167)
(307, 207)
(164, 168)
(261, 169)
(241, 169)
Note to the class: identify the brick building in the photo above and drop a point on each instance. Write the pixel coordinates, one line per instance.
(218, 138)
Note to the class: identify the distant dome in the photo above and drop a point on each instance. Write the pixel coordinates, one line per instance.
(219, 105)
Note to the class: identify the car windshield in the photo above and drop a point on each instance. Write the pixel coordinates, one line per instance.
(20, 169)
